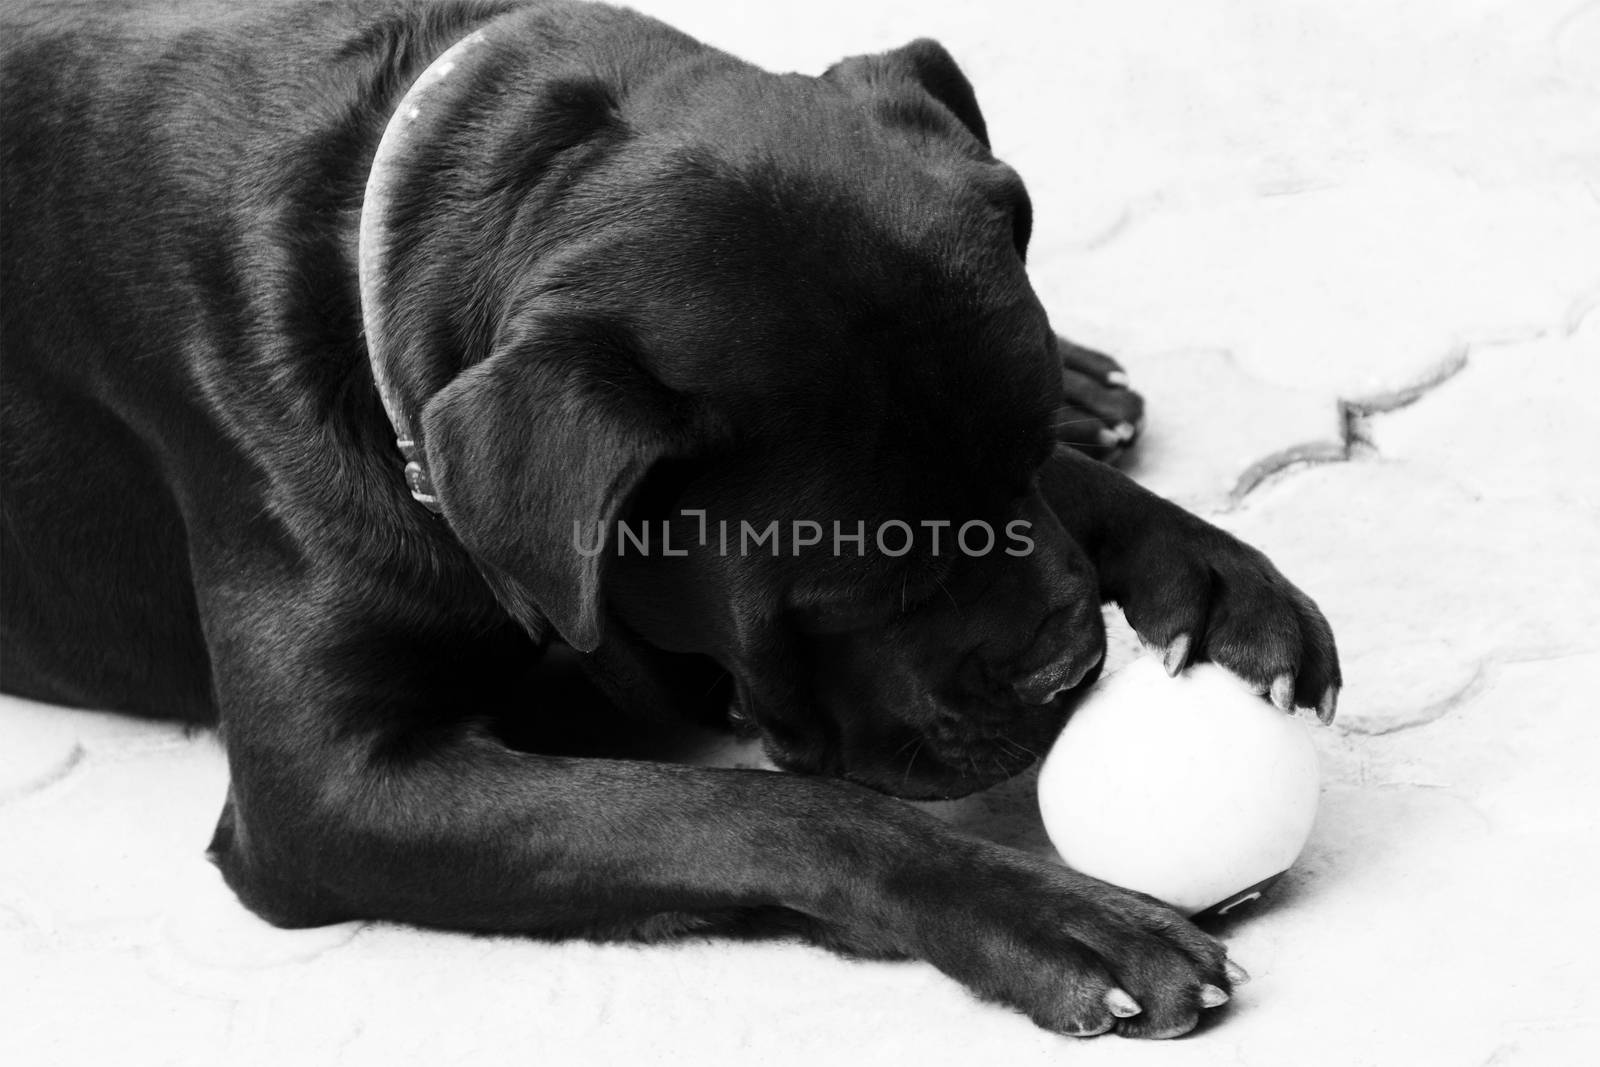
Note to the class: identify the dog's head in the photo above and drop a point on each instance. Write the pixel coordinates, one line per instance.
(771, 338)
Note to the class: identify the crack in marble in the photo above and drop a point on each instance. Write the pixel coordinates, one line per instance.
(1544, 656)
(1484, 671)
(1571, 71)
(1580, 310)
(1435, 711)
(1354, 438)
(1309, 454)
(223, 949)
(1099, 240)
(58, 773)
(1353, 414)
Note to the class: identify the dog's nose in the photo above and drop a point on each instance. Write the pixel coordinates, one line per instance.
(1066, 648)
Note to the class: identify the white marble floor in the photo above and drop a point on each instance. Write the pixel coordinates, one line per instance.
(1351, 252)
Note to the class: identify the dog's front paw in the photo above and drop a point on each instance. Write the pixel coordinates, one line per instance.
(1099, 415)
(1194, 593)
(1079, 957)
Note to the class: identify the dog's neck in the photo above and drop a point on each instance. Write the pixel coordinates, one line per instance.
(374, 266)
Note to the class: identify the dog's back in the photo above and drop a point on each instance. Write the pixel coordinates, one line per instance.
(158, 167)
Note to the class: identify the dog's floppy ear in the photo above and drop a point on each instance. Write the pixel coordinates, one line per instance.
(925, 64)
(556, 428)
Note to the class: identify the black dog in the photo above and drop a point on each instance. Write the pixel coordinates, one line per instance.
(614, 282)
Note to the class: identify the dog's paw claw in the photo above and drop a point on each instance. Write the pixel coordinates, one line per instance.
(1176, 656)
(1328, 706)
(1121, 1004)
(1283, 692)
(1232, 608)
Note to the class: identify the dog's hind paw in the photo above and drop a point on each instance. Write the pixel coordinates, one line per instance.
(1100, 416)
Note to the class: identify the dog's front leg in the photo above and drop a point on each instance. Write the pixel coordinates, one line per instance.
(1192, 591)
(361, 788)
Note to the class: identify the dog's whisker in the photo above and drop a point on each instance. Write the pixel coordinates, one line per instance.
(1017, 747)
(906, 775)
(909, 742)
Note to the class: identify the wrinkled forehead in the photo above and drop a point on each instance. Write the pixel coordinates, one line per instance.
(858, 314)
(808, 293)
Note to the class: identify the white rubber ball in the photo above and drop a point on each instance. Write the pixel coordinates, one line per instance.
(1192, 789)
